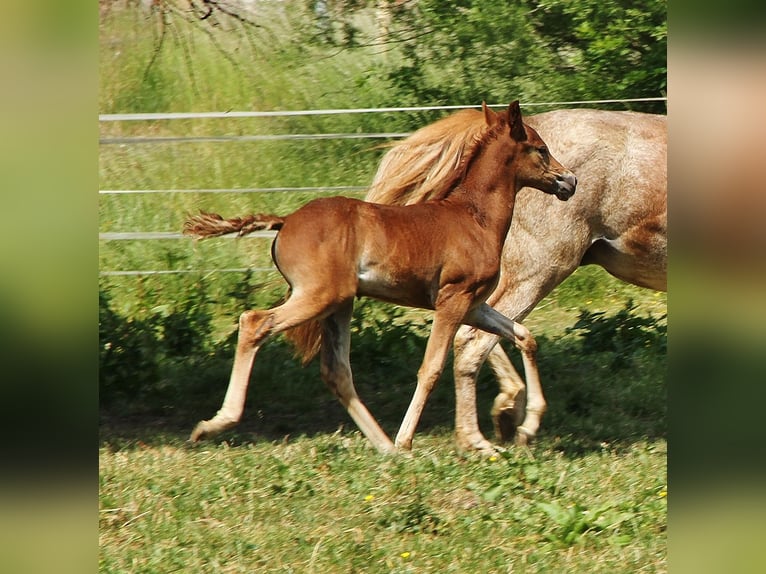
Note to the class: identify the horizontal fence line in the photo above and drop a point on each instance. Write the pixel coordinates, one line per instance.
(142, 235)
(286, 113)
(187, 271)
(323, 188)
(127, 236)
(253, 138)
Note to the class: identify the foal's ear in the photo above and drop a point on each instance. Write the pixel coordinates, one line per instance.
(518, 133)
(490, 117)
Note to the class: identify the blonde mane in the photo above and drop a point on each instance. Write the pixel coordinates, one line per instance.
(430, 162)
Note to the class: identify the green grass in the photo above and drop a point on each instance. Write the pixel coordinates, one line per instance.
(295, 488)
(331, 504)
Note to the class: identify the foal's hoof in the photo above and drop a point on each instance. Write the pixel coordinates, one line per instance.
(402, 447)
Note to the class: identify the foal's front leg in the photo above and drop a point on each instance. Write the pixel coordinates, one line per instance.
(509, 406)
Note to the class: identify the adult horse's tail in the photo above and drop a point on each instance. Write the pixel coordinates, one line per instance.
(207, 225)
(305, 338)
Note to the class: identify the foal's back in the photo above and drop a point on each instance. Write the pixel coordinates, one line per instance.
(400, 254)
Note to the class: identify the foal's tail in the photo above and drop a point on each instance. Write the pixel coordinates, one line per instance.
(207, 225)
(306, 339)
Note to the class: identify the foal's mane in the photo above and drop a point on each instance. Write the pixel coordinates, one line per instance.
(429, 163)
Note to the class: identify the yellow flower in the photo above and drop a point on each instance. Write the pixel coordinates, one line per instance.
(663, 493)
(492, 458)
(368, 498)
(405, 555)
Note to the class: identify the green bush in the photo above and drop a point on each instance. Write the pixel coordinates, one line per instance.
(623, 334)
(604, 378)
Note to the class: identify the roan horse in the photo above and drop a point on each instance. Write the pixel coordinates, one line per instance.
(617, 220)
(443, 254)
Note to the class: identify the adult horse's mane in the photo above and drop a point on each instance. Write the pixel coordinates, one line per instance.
(430, 162)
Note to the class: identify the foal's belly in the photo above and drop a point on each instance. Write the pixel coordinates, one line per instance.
(410, 291)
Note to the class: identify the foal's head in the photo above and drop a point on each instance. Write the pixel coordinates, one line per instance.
(527, 156)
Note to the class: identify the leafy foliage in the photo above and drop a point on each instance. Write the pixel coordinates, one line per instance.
(468, 50)
(575, 521)
(618, 45)
(623, 334)
(146, 360)
(127, 353)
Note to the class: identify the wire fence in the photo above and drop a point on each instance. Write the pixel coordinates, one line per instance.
(287, 113)
(162, 140)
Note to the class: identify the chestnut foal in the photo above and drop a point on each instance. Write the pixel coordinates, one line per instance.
(442, 254)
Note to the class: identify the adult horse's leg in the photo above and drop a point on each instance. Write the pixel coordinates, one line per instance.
(514, 297)
(443, 329)
(336, 373)
(509, 406)
(472, 348)
(489, 320)
(255, 327)
(468, 359)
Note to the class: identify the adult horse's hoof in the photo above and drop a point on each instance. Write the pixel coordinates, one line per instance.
(477, 444)
(507, 415)
(523, 437)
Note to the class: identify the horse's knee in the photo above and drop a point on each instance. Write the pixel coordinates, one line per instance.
(525, 341)
(254, 326)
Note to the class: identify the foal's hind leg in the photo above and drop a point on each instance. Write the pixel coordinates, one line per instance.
(336, 373)
(254, 328)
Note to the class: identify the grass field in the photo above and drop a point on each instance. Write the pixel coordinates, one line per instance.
(297, 489)
(331, 504)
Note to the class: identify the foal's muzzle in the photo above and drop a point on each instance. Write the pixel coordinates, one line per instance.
(566, 184)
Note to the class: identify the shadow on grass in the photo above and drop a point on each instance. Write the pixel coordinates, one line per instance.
(604, 380)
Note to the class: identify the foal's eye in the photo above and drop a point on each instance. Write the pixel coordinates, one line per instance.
(543, 151)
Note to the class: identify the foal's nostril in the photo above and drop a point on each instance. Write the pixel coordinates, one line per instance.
(566, 184)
